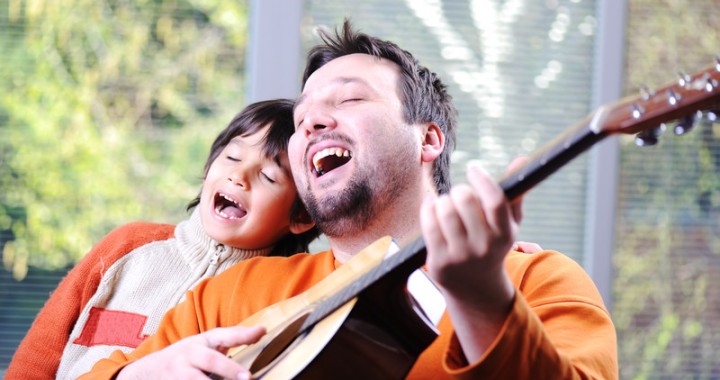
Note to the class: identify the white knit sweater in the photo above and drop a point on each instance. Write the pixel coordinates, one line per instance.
(137, 289)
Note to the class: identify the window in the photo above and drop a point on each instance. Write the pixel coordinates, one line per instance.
(667, 252)
(521, 72)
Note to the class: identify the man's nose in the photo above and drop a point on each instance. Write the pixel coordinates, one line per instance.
(318, 120)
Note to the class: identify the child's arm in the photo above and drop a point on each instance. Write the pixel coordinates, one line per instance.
(39, 354)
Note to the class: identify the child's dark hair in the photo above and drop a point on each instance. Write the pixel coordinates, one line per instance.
(278, 114)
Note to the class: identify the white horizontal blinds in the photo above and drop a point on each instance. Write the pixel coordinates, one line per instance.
(21, 301)
(667, 256)
(520, 73)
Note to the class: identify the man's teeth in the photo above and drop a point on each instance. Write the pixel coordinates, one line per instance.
(339, 152)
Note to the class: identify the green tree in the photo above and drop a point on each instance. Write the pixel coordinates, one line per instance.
(668, 251)
(107, 110)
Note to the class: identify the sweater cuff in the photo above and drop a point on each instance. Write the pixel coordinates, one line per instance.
(455, 363)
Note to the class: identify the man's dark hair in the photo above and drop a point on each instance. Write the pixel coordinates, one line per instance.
(424, 96)
(278, 114)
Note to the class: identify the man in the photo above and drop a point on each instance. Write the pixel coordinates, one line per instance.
(370, 153)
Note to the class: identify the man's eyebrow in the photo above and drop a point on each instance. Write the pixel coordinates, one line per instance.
(336, 81)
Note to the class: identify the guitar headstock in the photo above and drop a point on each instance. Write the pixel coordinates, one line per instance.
(643, 115)
(684, 101)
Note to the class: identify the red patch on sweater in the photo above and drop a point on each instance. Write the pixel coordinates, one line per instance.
(112, 327)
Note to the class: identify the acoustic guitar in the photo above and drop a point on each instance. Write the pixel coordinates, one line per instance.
(361, 323)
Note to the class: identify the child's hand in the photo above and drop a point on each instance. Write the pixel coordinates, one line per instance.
(526, 247)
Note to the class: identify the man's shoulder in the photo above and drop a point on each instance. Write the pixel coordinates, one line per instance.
(551, 276)
(263, 265)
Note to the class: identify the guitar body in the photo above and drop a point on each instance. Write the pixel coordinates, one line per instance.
(381, 328)
(381, 338)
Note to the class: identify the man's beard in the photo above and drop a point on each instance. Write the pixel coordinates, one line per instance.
(343, 213)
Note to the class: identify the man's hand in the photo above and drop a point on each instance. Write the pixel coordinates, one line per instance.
(468, 233)
(196, 356)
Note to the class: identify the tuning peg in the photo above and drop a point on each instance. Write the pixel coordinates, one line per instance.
(712, 116)
(683, 78)
(708, 118)
(710, 84)
(649, 137)
(673, 97)
(637, 110)
(717, 62)
(645, 92)
(685, 125)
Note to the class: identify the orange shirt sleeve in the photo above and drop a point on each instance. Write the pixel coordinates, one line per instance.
(558, 327)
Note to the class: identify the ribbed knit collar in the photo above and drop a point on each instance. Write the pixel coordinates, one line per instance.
(195, 245)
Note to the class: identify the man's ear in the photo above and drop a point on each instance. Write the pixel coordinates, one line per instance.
(433, 142)
(301, 224)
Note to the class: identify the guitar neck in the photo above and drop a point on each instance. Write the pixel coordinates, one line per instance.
(552, 157)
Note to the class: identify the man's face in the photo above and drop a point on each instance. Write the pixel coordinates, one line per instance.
(352, 153)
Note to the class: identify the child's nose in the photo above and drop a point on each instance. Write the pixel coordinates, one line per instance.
(237, 178)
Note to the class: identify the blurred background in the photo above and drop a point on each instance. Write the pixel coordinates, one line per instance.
(108, 110)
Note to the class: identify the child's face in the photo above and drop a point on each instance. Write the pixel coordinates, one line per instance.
(246, 197)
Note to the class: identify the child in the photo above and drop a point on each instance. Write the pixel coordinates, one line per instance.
(115, 297)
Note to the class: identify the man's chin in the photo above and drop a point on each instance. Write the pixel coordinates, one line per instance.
(343, 211)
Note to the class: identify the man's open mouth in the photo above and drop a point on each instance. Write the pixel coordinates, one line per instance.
(328, 159)
(227, 207)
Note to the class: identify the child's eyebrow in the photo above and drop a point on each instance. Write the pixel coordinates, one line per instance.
(237, 140)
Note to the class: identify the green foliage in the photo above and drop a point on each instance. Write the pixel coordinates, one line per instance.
(668, 250)
(107, 112)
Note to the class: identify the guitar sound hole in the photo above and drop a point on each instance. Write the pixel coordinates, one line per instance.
(278, 344)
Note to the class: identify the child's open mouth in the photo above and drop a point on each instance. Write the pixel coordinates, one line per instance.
(227, 207)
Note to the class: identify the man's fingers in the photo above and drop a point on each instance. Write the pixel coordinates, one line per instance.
(219, 339)
(226, 337)
(211, 361)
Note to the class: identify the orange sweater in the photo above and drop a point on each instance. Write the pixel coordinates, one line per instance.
(558, 327)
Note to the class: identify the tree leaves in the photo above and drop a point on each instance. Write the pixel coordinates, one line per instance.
(107, 112)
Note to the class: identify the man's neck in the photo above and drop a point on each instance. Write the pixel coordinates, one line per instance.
(402, 224)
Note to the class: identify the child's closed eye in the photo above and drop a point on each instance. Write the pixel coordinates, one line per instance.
(268, 177)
